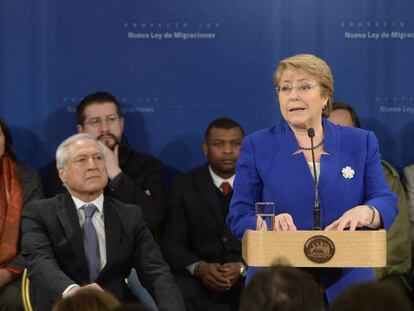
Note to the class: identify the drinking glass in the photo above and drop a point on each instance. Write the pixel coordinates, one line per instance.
(265, 215)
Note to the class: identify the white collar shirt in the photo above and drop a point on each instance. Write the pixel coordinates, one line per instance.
(217, 180)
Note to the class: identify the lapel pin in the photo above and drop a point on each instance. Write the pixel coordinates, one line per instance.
(348, 172)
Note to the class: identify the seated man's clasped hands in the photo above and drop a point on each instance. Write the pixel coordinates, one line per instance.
(218, 277)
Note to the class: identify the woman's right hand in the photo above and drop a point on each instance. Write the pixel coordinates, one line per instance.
(261, 225)
(281, 222)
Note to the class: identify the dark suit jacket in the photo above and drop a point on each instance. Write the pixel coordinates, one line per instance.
(195, 227)
(53, 249)
(31, 183)
(140, 172)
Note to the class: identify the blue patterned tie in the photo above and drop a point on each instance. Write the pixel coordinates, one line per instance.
(90, 242)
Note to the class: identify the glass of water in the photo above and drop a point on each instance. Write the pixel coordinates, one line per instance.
(265, 215)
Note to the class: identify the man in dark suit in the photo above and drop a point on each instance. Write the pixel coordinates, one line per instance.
(134, 177)
(204, 256)
(83, 238)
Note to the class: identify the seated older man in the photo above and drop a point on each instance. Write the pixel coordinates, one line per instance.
(85, 239)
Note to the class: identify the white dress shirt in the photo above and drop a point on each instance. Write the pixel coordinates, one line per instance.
(217, 180)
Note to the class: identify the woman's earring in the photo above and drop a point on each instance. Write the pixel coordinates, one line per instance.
(324, 105)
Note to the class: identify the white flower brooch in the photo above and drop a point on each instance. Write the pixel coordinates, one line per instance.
(348, 172)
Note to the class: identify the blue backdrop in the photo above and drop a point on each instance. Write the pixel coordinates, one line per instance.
(177, 65)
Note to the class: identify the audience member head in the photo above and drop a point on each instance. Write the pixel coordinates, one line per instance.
(313, 66)
(344, 114)
(222, 141)
(132, 307)
(87, 299)
(99, 114)
(6, 140)
(372, 296)
(80, 160)
(281, 288)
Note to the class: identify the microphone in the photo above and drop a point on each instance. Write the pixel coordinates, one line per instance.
(316, 206)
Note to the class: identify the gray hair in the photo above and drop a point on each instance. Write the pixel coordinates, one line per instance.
(62, 154)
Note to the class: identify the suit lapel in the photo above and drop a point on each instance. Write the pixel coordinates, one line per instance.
(207, 189)
(328, 161)
(113, 231)
(68, 217)
(298, 159)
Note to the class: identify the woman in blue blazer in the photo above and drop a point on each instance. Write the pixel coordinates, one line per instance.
(276, 165)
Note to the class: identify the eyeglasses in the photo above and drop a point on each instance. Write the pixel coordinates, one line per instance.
(300, 89)
(97, 122)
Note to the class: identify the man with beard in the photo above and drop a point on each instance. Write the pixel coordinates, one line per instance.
(134, 178)
(204, 256)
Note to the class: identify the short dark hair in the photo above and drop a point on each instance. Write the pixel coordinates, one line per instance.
(354, 116)
(8, 139)
(281, 288)
(221, 123)
(378, 296)
(95, 98)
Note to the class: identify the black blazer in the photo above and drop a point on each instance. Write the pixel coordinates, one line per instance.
(195, 227)
(52, 245)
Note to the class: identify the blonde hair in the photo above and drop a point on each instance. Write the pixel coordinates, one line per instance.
(313, 66)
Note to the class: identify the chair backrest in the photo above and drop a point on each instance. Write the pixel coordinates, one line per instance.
(25, 291)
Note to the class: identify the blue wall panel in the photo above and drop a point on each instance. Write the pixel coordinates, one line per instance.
(176, 65)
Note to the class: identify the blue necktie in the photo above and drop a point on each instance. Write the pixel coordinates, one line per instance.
(90, 242)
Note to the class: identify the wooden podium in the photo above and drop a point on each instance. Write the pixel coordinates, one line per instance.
(325, 249)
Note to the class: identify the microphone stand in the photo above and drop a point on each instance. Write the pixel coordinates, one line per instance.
(316, 205)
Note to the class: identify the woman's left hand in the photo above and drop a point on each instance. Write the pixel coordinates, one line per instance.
(359, 216)
(284, 222)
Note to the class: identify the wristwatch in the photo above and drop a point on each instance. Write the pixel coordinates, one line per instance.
(243, 269)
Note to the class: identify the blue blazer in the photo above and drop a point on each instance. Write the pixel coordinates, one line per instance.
(269, 170)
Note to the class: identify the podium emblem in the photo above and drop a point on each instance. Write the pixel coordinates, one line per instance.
(319, 249)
